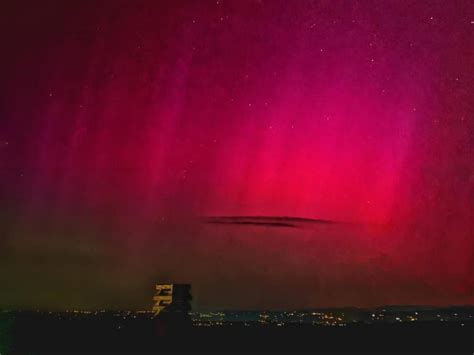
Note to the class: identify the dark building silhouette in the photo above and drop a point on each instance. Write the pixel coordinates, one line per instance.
(172, 306)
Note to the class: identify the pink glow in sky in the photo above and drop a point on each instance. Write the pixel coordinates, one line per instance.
(124, 122)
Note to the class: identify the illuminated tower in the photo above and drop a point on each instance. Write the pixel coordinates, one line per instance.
(172, 305)
(163, 297)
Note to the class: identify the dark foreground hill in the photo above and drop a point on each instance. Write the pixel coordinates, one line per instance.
(107, 332)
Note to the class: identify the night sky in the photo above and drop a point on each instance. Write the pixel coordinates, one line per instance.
(125, 125)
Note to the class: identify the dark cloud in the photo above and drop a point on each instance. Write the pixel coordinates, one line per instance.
(268, 221)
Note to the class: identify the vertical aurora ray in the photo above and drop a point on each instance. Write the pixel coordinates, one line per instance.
(123, 123)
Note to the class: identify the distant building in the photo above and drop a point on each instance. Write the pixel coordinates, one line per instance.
(172, 305)
(163, 297)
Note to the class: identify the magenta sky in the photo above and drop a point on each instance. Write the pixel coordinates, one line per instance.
(123, 122)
